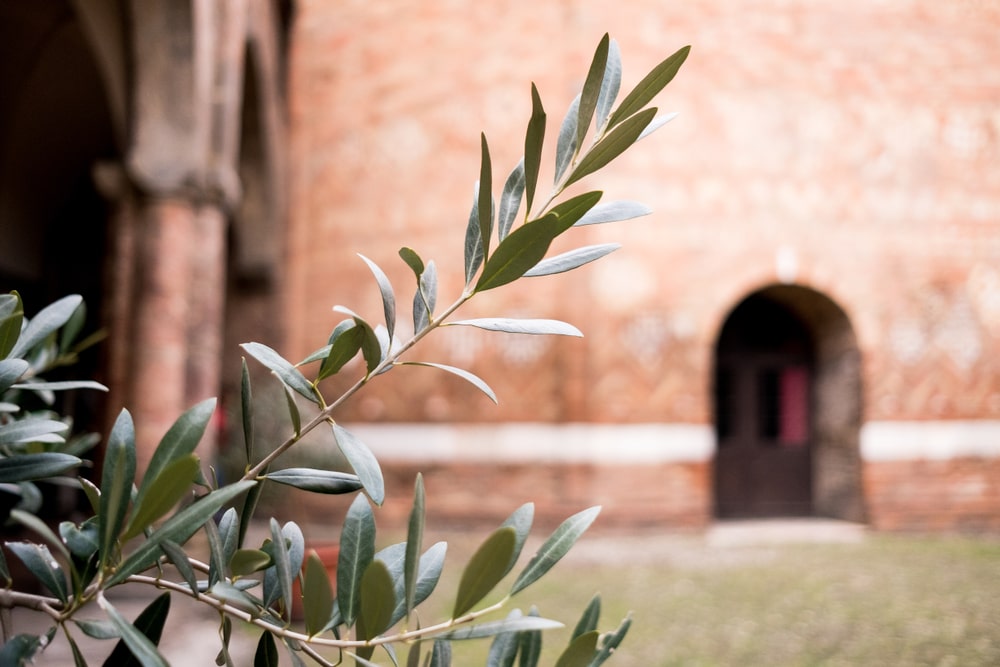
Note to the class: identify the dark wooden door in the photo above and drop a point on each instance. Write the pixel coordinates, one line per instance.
(763, 384)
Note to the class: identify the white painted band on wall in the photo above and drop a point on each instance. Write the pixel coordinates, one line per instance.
(606, 444)
(929, 440)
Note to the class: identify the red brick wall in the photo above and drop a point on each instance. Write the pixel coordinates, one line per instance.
(850, 147)
(630, 496)
(958, 494)
(860, 140)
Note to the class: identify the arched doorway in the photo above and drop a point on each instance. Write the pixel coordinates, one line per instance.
(787, 405)
(55, 126)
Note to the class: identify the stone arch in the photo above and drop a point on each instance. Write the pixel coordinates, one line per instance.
(787, 327)
(57, 125)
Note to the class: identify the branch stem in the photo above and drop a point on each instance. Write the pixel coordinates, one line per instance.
(287, 633)
(326, 414)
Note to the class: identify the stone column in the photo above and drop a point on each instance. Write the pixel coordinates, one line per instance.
(207, 295)
(161, 311)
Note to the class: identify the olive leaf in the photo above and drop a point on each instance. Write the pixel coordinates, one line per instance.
(388, 296)
(485, 569)
(357, 550)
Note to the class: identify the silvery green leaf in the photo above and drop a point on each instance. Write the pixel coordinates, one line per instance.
(11, 371)
(40, 528)
(316, 480)
(425, 299)
(530, 644)
(533, 140)
(234, 596)
(566, 143)
(371, 348)
(493, 628)
(357, 549)
(427, 576)
(315, 355)
(592, 89)
(39, 561)
(27, 467)
(384, 344)
(555, 547)
(317, 595)
(420, 316)
(164, 491)
(378, 600)
(656, 124)
(293, 409)
(81, 540)
(589, 619)
(97, 629)
(140, 639)
(178, 528)
(281, 367)
(362, 461)
(613, 144)
(278, 578)
(45, 322)
(510, 200)
(175, 554)
(11, 319)
(521, 326)
(572, 259)
(484, 205)
(613, 211)
(440, 655)
(414, 543)
(388, 296)
(20, 649)
(246, 410)
(9, 304)
(60, 386)
(473, 241)
(503, 650)
(610, 85)
(462, 373)
(485, 569)
(248, 561)
(117, 479)
(180, 441)
(649, 87)
(32, 429)
(345, 343)
(229, 534)
(72, 328)
(412, 259)
(527, 245)
(520, 520)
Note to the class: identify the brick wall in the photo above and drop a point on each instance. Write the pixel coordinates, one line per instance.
(958, 494)
(851, 148)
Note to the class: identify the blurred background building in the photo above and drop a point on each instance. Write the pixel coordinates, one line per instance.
(808, 323)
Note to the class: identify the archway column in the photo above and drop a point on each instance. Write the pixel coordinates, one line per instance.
(158, 378)
(180, 189)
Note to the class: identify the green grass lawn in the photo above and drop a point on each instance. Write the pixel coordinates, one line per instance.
(890, 600)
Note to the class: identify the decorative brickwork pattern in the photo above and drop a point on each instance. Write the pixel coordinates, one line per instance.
(851, 148)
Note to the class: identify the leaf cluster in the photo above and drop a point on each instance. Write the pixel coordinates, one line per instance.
(138, 526)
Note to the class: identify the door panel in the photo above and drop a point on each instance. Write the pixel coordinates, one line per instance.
(763, 463)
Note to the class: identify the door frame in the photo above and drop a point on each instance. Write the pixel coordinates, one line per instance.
(835, 400)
